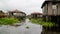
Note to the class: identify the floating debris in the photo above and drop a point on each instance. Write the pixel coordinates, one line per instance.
(27, 27)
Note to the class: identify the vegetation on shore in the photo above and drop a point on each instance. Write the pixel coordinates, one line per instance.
(41, 22)
(8, 21)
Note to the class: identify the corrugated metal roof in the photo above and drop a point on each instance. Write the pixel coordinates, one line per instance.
(16, 11)
(36, 13)
(47, 1)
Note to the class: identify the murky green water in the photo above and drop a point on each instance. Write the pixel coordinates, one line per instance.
(33, 29)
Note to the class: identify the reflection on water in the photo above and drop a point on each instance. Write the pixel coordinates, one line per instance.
(33, 29)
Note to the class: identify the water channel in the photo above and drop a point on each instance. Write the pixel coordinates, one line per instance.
(33, 29)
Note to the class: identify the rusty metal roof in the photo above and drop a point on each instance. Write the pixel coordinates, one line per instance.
(36, 13)
(16, 11)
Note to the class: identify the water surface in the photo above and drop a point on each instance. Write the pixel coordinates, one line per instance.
(33, 29)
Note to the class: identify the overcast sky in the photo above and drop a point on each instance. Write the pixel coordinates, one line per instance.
(27, 6)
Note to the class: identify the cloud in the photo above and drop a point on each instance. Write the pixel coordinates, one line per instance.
(26, 6)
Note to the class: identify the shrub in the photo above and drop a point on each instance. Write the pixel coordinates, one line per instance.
(40, 22)
(48, 24)
(8, 21)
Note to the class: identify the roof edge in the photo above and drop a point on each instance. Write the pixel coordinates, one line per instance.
(47, 2)
(44, 3)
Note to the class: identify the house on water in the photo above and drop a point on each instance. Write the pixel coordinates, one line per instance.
(2, 14)
(51, 11)
(36, 15)
(18, 14)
